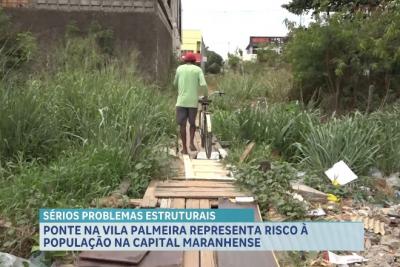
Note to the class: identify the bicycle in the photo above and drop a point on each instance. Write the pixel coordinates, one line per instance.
(205, 125)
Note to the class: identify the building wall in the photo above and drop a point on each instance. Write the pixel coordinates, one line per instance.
(138, 24)
(177, 27)
(190, 40)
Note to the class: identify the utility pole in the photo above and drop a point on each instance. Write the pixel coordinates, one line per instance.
(203, 56)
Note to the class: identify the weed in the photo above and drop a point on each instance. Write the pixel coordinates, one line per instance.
(271, 188)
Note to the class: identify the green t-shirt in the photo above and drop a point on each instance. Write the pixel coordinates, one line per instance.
(189, 78)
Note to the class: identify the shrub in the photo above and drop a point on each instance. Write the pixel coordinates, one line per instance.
(351, 139)
(272, 188)
(348, 60)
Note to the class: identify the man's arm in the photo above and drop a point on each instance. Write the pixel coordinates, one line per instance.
(203, 83)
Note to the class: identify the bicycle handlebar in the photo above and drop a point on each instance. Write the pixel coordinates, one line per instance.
(218, 93)
(205, 100)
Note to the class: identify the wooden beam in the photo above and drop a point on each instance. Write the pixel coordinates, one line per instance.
(195, 189)
(247, 152)
(178, 203)
(135, 202)
(199, 194)
(207, 162)
(217, 178)
(165, 203)
(149, 199)
(207, 258)
(194, 183)
(192, 258)
(188, 166)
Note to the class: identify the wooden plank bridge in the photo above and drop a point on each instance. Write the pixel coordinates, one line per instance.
(205, 184)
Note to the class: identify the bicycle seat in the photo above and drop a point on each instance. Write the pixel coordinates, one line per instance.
(205, 101)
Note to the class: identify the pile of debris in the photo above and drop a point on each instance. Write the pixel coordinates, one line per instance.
(381, 224)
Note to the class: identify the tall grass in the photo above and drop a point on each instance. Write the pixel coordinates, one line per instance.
(279, 125)
(362, 141)
(248, 87)
(350, 138)
(388, 138)
(71, 133)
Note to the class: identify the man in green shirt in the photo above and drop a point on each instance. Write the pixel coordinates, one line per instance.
(189, 79)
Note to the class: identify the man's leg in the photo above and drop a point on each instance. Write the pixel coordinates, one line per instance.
(181, 118)
(184, 141)
(192, 122)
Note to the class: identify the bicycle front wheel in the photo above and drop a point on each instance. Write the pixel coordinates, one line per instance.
(208, 144)
(207, 136)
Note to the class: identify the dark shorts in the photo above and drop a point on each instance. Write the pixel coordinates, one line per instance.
(185, 114)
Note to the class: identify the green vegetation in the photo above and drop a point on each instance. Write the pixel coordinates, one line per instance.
(272, 187)
(347, 63)
(343, 72)
(16, 49)
(317, 6)
(293, 136)
(72, 130)
(83, 120)
(214, 62)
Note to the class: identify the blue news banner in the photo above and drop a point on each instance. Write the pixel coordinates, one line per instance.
(185, 229)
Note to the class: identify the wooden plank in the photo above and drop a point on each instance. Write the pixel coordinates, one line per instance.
(199, 194)
(188, 166)
(194, 183)
(245, 258)
(197, 138)
(204, 203)
(192, 258)
(207, 258)
(195, 189)
(165, 203)
(310, 193)
(149, 199)
(135, 202)
(159, 258)
(178, 203)
(209, 168)
(247, 152)
(193, 204)
(198, 166)
(212, 173)
(215, 177)
(203, 178)
(202, 162)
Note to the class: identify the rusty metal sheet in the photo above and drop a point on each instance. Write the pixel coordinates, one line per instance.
(244, 258)
(163, 259)
(90, 263)
(225, 203)
(119, 257)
